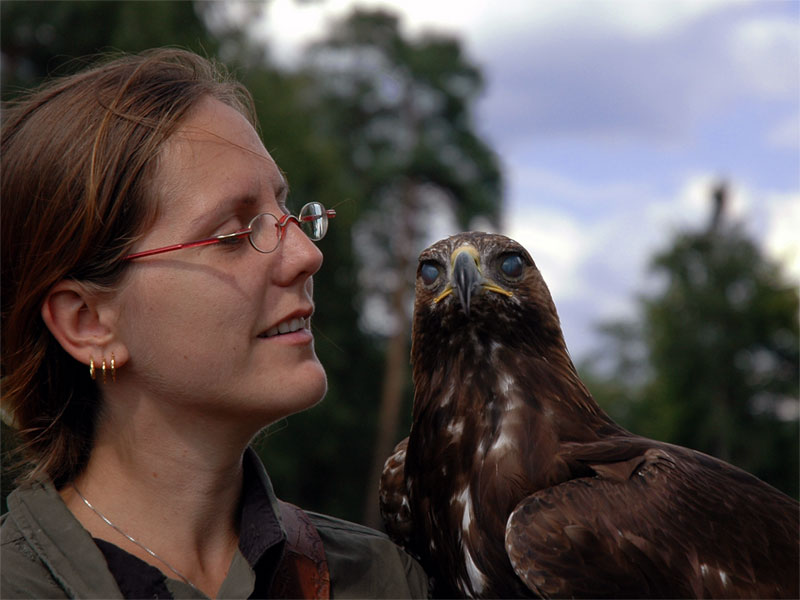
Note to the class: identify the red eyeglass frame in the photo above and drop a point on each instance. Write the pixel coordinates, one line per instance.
(280, 223)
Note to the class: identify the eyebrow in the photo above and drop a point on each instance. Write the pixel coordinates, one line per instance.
(244, 200)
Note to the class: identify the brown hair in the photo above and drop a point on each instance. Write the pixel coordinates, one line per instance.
(78, 155)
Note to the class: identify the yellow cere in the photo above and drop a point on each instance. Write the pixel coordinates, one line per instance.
(471, 250)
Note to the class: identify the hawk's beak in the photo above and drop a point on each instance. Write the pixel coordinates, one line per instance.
(466, 276)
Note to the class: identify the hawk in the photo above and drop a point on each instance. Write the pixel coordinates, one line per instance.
(513, 482)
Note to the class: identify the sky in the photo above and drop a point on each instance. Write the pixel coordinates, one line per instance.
(613, 120)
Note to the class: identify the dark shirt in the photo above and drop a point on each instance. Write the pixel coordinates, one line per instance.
(135, 578)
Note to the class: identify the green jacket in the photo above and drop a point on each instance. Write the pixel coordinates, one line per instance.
(46, 553)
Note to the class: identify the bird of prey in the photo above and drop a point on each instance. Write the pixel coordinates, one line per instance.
(513, 482)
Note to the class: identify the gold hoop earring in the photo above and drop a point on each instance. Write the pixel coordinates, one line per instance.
(113, 369)
(103, 368)
(91, 368)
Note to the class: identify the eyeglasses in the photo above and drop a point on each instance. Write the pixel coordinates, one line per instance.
(265, 231)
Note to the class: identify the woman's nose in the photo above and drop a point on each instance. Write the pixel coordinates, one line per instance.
(301, 257)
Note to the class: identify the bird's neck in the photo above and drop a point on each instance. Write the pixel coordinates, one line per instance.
(542, 372)
(535, 392)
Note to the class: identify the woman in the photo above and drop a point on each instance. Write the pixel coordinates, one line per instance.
(138, 363)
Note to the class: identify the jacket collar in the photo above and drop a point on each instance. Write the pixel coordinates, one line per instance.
(261, 526)
(60, 541)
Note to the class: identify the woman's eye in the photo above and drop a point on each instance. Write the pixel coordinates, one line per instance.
(512, 266)
(232, 241)
(429, 273)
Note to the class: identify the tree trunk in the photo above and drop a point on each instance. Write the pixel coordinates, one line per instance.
(397, 357)
(396, 374)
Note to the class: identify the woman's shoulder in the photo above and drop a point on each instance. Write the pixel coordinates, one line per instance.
(364, 562)
(23, 575)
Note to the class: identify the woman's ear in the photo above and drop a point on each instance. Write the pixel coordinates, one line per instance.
(82, 323)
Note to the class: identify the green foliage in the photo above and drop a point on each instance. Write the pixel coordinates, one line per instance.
(717, 362)
(41, 38)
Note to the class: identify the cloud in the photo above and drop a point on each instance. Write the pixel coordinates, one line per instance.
(557, 243)
(781, 239)
(654, 77)
(765, 49)
(483, 23)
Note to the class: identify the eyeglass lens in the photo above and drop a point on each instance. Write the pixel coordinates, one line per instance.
(314, 220)
(266, 229)
(265, 232)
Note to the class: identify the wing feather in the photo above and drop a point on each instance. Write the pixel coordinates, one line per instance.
(665, 531)
(394, 506)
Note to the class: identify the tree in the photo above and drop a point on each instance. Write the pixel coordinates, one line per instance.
(402, 110)
(720, 371)
(41, 38)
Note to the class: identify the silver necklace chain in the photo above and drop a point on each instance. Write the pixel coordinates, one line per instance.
(137, 542)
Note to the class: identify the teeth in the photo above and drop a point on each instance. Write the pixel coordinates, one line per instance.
(286, 327)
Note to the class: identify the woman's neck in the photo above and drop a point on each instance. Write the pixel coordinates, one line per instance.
(174, 489)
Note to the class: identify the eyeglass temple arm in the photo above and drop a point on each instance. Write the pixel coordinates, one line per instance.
(205, 242)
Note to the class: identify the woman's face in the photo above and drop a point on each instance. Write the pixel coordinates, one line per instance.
(199, 323)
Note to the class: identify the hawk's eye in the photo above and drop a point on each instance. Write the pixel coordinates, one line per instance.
(512, 266)
(429, 272)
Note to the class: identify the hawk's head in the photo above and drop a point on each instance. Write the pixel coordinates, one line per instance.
(483, 287)
(482, 310)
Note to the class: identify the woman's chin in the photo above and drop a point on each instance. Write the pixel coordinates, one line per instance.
(298, 396)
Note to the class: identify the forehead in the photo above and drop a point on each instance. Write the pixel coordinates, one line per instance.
(483, 242)
(215, 153)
